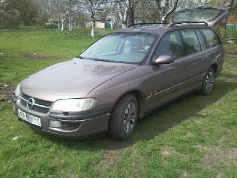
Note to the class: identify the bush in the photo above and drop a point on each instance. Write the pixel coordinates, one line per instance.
(235, 33)
(9, 19)
(221, 31)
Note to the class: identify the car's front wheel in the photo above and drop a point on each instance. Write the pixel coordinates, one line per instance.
(123, 119)
(208, 82)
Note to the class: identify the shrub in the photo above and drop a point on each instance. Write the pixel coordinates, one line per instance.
(9, 19)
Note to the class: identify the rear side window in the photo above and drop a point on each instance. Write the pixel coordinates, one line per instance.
(191, 41)
(211, 37)
(201, 39)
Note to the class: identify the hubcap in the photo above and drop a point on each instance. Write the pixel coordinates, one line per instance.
(129, 117)
(210, 81)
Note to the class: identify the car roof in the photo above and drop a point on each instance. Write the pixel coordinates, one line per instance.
(160, 28)
(146, 29)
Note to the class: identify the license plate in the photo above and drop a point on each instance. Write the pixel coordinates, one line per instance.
(29, 118)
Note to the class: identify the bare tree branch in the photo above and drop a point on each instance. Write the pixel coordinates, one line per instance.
(164, 18)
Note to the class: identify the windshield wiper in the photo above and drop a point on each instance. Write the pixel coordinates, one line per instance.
(80, 57)
(97, 59)
(105, 60)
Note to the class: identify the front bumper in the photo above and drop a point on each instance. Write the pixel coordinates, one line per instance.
(80, 125)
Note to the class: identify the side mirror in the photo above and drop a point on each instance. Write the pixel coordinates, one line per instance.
(165, 59)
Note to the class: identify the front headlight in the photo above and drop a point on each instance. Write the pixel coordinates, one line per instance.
(73, 105)
(17, 90)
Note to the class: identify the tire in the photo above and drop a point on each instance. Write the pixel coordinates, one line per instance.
(123, 119)
(208, 82)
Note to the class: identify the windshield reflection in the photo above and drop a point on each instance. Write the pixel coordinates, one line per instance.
(120, 47)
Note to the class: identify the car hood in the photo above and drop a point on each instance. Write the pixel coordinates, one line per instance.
(71, 79)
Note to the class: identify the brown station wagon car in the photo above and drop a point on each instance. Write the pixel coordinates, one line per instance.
(124, 75)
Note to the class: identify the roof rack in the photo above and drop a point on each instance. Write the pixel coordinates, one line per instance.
(146, 25)
(183, 23)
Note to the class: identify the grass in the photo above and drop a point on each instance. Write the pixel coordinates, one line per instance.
(195, 136)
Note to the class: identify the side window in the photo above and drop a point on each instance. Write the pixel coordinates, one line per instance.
(191, 41)
(170, 45)
(211, 37)
(201, 39)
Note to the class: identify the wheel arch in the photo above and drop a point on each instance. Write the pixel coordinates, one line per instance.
(215, 67)
(140, 100)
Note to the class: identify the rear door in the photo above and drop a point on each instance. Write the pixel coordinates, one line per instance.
(195, 52)
(196, 56)
(214, 49)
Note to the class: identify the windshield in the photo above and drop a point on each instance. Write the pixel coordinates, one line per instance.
(120, 47)
(197, 15)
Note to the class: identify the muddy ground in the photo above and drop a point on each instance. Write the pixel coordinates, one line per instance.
(6, 91)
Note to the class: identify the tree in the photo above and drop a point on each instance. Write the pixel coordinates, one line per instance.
(43, 15)
(122, 14)
(57, 10)
(9, 17)
(165, 8)
(27, 9)
(146, 11)
(130, 10)
(94, 7)
(126, 11)
(61, 11)
(72, 7)
(170, 11)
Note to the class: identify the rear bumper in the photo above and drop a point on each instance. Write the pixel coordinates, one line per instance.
(83, 125)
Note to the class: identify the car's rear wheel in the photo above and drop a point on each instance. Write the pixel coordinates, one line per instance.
(208, 82)
(123, 119)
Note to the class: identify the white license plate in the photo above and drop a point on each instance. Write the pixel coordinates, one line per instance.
(29, 118)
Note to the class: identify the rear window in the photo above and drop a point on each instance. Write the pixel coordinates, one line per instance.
(196, 15)
(211, 37)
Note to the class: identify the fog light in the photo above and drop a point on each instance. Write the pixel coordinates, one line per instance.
(55, 124)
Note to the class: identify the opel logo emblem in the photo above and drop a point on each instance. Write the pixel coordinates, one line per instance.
(30, 103)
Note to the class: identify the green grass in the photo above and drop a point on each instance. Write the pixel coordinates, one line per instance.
(50, 45)
(195, 136)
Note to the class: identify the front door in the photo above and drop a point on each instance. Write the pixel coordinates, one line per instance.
(168, 80)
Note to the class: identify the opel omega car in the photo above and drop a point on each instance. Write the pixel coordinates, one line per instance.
(124, 75)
